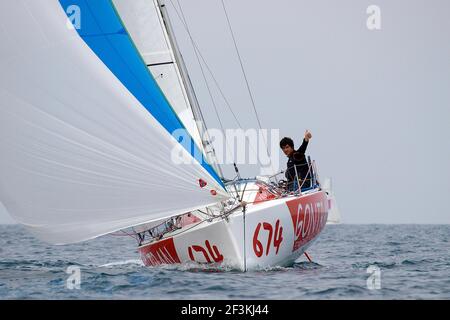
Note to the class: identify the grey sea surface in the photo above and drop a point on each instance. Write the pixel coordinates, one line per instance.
(350, 262)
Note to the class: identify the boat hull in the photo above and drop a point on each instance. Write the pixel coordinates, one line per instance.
(268, 234)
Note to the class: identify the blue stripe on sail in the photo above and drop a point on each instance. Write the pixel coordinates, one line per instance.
(102, 30)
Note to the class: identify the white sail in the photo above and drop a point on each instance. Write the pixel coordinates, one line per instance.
(144, 23)
(334, 216)
(150, 29)
(80, 155)
(5, 218)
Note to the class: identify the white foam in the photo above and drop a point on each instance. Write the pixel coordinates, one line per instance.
(120, 263)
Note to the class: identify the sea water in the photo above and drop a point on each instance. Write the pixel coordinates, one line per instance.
(349, 262)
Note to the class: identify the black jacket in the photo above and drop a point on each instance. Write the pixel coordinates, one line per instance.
(298, 159)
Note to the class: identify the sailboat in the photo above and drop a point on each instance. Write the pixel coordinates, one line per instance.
(334, 215)
(91, 94)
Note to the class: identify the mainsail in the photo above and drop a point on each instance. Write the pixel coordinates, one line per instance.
(148, 24)
(85, 130)
(146, 28)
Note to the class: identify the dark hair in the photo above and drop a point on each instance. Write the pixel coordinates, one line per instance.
(286, 142)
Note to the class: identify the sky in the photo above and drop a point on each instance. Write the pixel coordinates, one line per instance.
(376, 101)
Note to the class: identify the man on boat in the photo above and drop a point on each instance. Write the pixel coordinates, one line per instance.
(297, 165)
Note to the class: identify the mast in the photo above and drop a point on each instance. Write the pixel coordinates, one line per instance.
(191, 96)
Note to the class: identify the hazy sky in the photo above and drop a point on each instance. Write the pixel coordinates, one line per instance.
(377, 102)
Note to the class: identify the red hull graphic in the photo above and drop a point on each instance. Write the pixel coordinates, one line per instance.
(210, 254)
(309, 216)
(278, 232)
(162, 252)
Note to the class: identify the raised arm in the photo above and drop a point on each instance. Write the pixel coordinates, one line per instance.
(304, 145)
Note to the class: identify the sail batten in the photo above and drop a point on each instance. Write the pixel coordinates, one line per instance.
(85, 130)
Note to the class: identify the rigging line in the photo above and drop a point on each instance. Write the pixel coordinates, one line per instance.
(219, 88)
(210, 154)
(245, 78)
(201, 68)
(241, 64)
(184, 23)
(197, 50)
(198, 53)
(183, 19)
